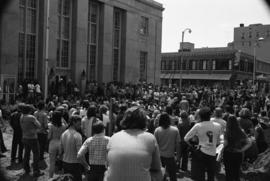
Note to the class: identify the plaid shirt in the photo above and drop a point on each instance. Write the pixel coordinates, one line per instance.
(97, 148)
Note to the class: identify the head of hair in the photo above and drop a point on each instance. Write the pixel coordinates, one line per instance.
(184, 115)
(85, 104)
(103, 109)
(164, 120)
(169, 110)
(123, 107)
(98, 127)
(56, 118)
(245, 113)
(254, 120)
(41, 105)
(91, 111)
(134, 118)
(229, 109)
(205, 114)
(74, 119)
(218, 112)
(26, 108)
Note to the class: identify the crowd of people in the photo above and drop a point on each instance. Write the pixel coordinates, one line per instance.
(141, 132)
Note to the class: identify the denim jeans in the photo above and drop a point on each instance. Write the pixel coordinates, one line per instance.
(170, 165)
(31, 145)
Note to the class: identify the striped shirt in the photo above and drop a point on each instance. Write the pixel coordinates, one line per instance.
(97, 149)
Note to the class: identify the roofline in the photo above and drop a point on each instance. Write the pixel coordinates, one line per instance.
(152, 3)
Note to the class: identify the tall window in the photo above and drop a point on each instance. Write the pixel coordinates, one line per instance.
(92, 41)
(143, 66)
(27, 39)
(230, 64)
(144, 25)
(213, 65)
(194, 65)
(64, 29)
(204, 64)
(117, 28)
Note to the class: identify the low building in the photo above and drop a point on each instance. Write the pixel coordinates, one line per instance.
(209, 66)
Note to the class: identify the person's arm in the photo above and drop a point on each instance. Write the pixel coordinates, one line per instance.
(177, 144)
(246, 146)
(81, 154)
(50, 133)
(36, 122)
(192, 132)
(155, 168)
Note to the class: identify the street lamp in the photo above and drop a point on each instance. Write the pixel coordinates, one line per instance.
(182, 55)
(254, 60)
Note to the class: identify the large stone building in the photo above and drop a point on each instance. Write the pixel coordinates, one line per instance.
(91, 40)
(257, 36)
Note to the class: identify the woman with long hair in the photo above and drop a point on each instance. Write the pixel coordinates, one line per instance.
(235, 143)
(56, 128)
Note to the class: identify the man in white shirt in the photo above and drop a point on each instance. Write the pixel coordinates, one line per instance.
(218, 118)
(208, 134)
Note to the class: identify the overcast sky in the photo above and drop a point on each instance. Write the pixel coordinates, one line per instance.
(212, 21)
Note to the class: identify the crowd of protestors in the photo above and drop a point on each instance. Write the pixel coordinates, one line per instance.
(141, 132)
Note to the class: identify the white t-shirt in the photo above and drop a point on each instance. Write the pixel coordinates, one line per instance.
(221, 121)
(208, 134)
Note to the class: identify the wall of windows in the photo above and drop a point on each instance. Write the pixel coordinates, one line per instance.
(171, 63)
(92, 39)
(27, 39)
(64, 33)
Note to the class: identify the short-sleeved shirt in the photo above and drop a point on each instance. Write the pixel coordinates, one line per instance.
(131, 154)
(71, 142)
(167, 140)
(97, 149)
(208, 134)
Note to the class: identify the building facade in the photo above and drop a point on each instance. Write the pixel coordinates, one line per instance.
(88, 40)
(253, 37)
(210, 66)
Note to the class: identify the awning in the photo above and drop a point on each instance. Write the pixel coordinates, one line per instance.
(202, 76)
(165, 76)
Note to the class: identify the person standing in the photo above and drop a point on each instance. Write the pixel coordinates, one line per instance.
(236, 143)
(70, 144)
(168, 139)
(97, 150)
(30, 127)
(183, 128)
(17, 135)
(133, 153)
(2, 144)
(204, 157)
(42, 117)
(56, 128)
(87, 122)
